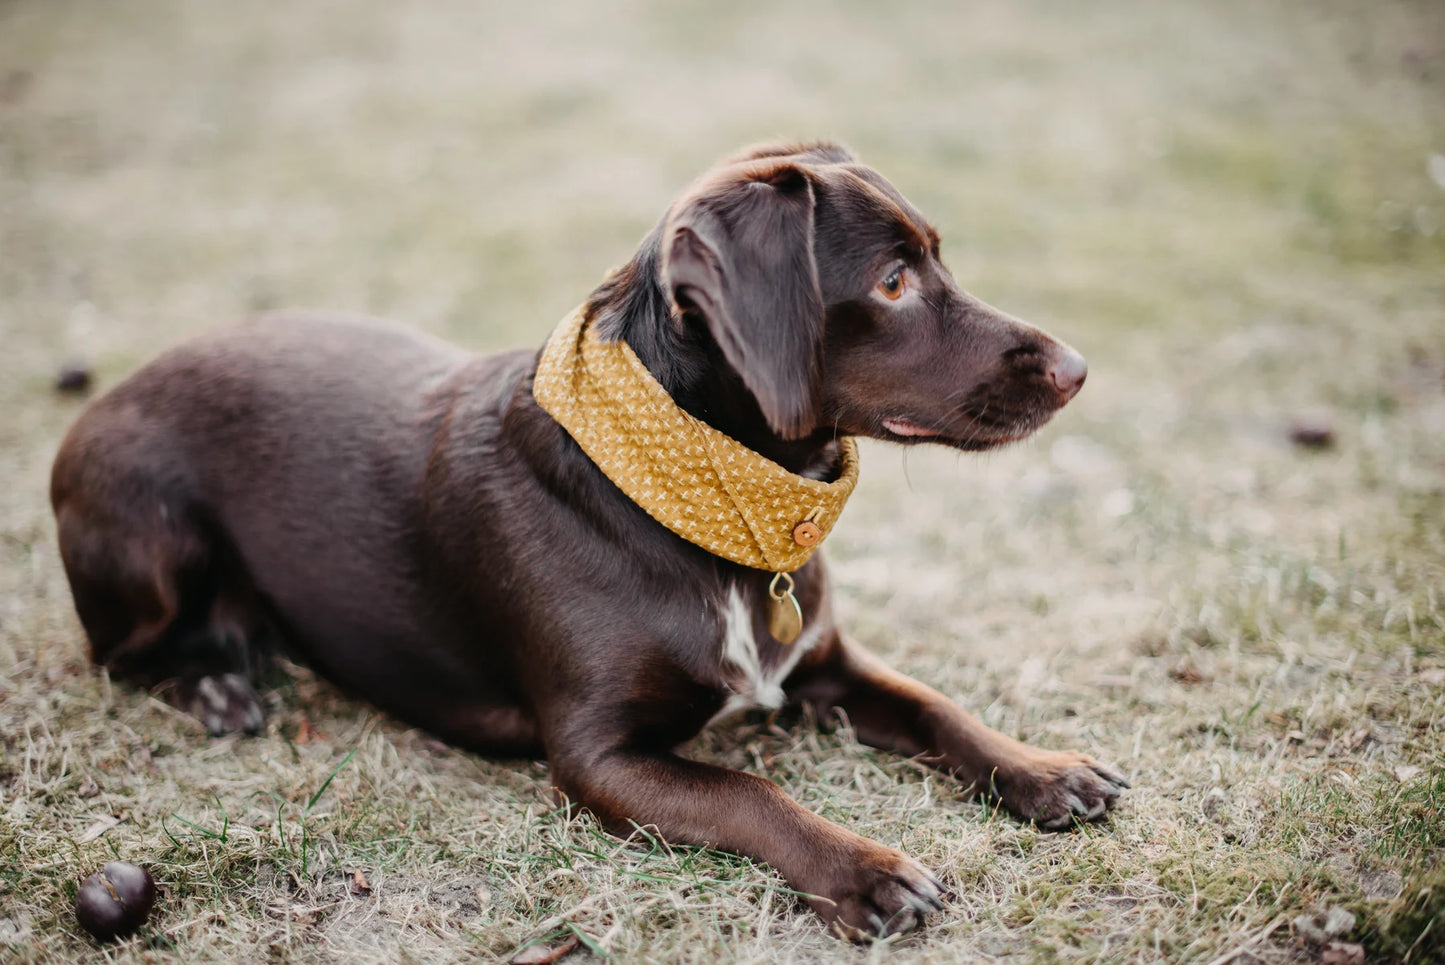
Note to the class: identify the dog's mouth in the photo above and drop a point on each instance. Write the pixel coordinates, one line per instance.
(908, 430)
(899, 429)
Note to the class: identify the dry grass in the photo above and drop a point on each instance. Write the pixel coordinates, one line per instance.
(1227, 206)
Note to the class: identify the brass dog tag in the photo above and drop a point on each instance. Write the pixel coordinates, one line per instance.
(785, 616)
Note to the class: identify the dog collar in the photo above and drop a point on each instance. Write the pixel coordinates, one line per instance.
(700, 483)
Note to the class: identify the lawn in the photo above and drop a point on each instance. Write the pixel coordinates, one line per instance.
(1235, 210)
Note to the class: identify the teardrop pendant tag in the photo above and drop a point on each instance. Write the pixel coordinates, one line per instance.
(785, 616)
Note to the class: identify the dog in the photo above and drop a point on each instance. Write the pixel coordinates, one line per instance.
(410, 521)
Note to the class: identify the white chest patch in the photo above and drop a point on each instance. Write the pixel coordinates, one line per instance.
(751, 684)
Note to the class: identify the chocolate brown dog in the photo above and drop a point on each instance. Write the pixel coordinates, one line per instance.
(404, 517)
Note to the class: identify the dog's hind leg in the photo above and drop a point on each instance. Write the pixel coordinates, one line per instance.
(162, 603)
(215, 662)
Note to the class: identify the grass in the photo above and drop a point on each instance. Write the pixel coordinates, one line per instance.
(1227, 206)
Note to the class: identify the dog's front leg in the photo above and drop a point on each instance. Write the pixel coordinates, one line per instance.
(895, 712)
(858, 886)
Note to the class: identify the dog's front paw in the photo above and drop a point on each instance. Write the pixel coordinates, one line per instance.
(877, 892)
(1054, 789)
(225, 703)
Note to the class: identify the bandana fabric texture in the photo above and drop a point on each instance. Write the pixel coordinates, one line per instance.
(703, 485)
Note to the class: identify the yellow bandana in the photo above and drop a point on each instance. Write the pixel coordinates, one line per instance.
(701, 484)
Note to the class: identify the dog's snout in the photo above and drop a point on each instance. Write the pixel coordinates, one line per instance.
(1067, 372)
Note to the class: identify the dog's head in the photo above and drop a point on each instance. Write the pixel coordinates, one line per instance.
(822, 289)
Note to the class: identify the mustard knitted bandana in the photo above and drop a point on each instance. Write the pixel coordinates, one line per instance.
(701, 484)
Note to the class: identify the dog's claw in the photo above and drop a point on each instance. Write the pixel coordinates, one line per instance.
(1059, 788)
(225, 704)
(1112, 776)
(884, 893)
(924, 903)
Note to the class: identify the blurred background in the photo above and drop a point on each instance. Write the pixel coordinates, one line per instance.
(472, 168)
(1236, 210)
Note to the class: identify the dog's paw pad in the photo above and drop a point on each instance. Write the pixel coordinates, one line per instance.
(225, 704)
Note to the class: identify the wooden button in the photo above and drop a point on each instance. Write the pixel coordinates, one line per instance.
(807, 533)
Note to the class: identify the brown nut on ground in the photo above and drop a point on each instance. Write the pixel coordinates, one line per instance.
(115, 901)
(74, 377)
(1312, 431)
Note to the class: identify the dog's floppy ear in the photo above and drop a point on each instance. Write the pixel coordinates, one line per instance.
(738, 250)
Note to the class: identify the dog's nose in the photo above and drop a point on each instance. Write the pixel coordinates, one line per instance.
(1067, 372)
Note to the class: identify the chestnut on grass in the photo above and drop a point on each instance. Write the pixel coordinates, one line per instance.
(115, 901)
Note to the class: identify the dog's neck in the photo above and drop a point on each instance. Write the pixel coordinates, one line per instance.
(682, 356)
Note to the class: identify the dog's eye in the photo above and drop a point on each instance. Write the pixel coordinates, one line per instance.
(892, 286)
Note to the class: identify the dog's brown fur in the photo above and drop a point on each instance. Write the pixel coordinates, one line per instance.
(402, 516)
